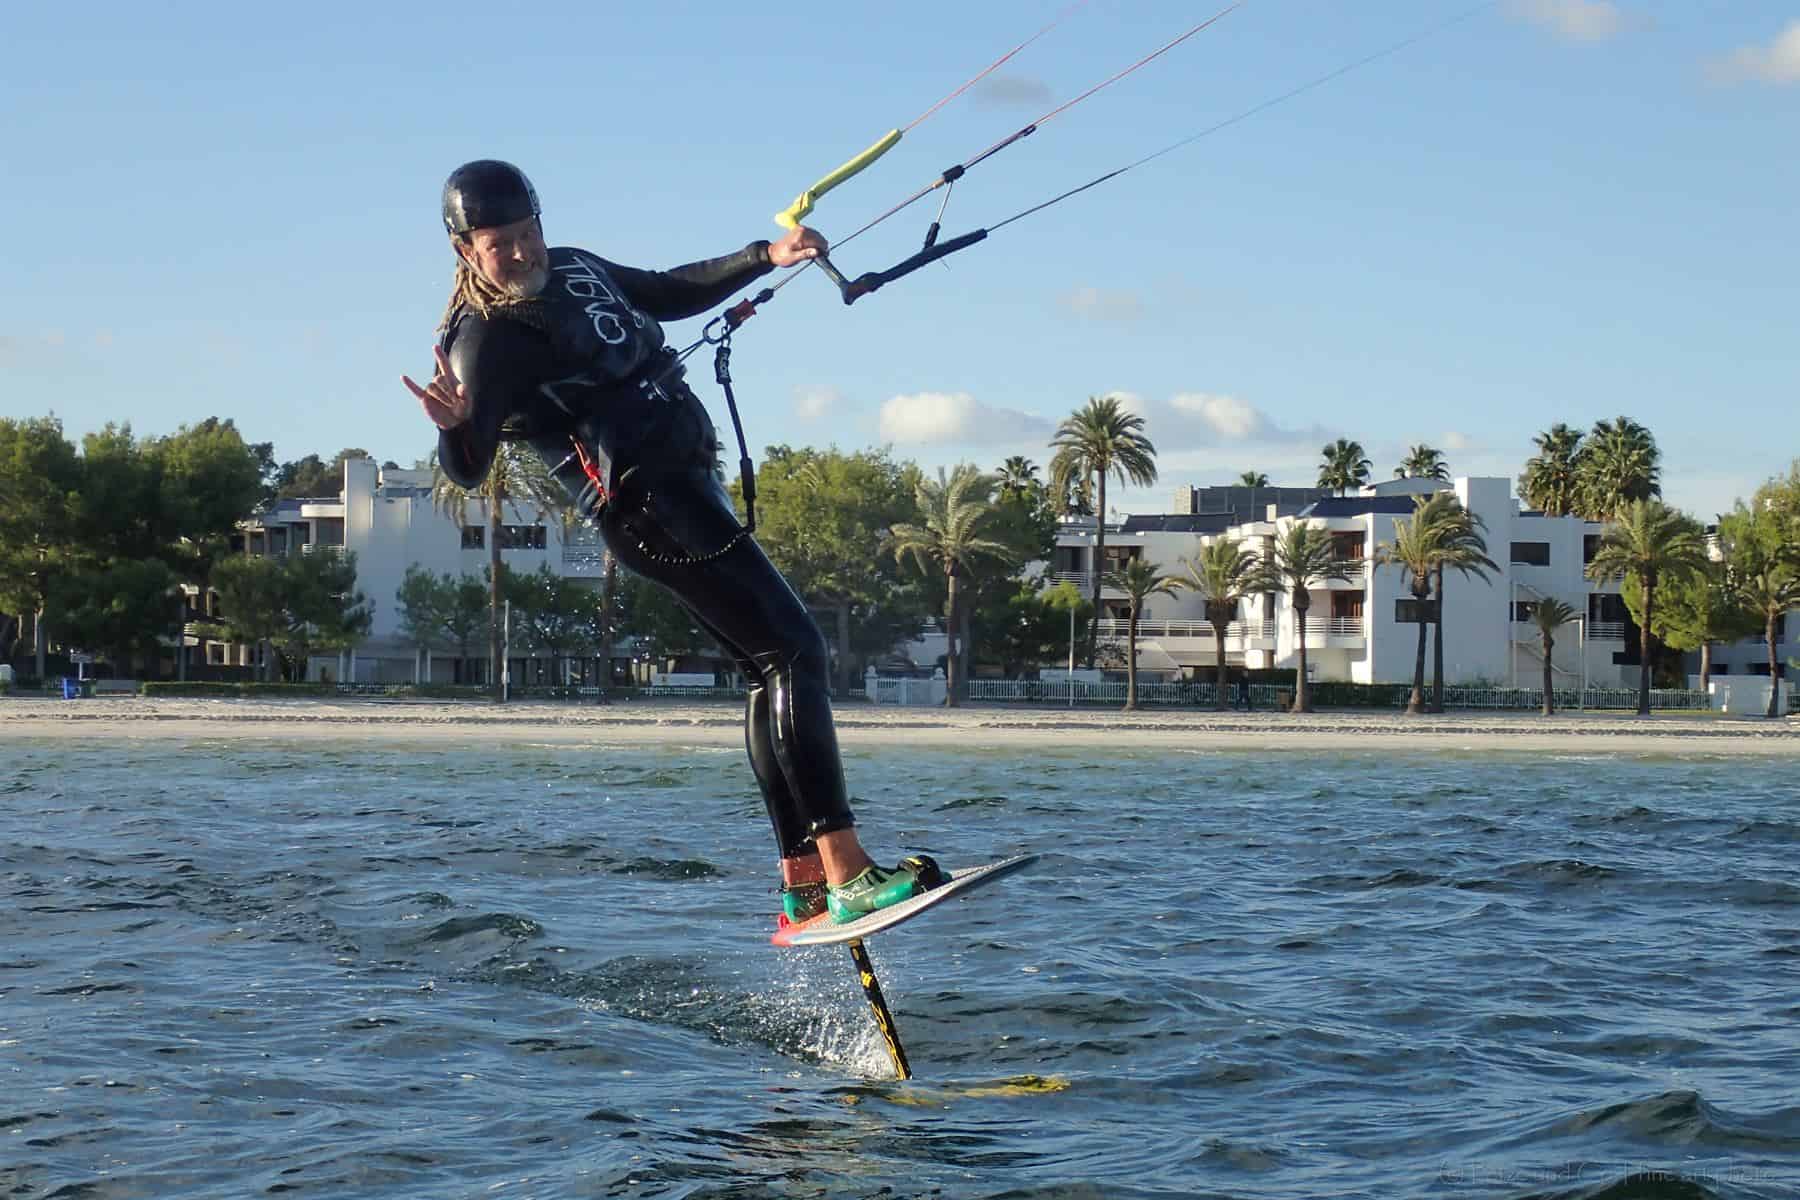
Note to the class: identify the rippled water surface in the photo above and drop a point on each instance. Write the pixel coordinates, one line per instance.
(379, 969)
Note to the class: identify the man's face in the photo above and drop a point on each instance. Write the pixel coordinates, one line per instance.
(511, 257)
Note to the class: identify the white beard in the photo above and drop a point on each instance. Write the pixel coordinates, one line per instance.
(525, 289)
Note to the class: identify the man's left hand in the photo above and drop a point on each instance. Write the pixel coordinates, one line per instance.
(798, 245)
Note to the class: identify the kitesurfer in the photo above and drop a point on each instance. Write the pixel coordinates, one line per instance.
(563, 349)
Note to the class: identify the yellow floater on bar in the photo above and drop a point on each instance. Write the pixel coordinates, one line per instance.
(789, 217)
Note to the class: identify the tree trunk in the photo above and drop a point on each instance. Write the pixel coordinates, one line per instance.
(1302, 605)
(1644, 651)
(495, 666)
(1131, 659)
(951, 650)
(608, 590)
(1437, 645)
(968, 642)
(1706, 666)
(1099, 569)
(1415, 703)
(1221, 683)
(1549, 683)
(845, 672)
(43, 643)
(1770, 636)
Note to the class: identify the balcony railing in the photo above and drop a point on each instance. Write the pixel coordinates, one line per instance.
(1606, 631)
(1162, 630)
(322, 549)
(1354, 570)
(1320, 630)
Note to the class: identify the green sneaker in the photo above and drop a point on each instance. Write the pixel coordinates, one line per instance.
(879, 887)
(800, 902)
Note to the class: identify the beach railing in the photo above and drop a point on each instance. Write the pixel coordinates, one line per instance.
(1079, 691)
(1266, 695)
(1567, 697)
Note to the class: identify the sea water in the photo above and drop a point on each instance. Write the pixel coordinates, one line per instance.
(374, 968)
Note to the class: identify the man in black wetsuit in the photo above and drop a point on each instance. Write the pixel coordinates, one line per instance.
(562, 349)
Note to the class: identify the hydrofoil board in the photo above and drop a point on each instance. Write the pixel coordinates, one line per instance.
(823, 931)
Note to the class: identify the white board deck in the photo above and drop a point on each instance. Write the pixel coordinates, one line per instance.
(822, 931)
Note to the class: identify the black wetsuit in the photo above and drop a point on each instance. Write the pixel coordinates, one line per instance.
(583, 375)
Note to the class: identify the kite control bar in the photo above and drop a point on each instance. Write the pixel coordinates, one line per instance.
(870, 281)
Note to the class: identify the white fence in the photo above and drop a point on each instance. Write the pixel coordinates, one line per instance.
(904, 689)
(1264, 695)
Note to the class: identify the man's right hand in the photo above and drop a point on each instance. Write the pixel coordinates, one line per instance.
(445, 399)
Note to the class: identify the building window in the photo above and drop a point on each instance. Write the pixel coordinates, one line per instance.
(522, 537)
(1409, 610)
(1522, 611)
(474, 537)
(1536, 554)
(1590, 543)
(1609, 607)
(1117, 556)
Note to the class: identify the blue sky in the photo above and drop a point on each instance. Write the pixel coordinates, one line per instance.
(1556, 210)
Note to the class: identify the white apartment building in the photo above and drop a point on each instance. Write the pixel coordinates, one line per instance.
(1356, 627)
(386, 517)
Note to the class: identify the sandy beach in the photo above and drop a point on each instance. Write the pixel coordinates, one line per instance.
(720, 722)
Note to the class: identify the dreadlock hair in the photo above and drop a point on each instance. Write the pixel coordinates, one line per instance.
(469, 290)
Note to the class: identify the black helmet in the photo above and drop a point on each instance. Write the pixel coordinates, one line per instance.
(485, 193)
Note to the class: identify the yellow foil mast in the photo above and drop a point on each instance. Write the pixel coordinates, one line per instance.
(790, 216)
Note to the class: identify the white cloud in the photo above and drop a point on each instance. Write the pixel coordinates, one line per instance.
(1778, 62)
(1131, 402)
(924, 418)
(1455, 442)
(1097, 305)
(1214, 418)
(1227, 416)
(1575, 20)
(816, 403)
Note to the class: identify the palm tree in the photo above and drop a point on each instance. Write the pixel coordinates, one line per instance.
(1098, 441)
(1139, 580)
(1017, 476)
(1762, 560)
(1549, 615)
(1223, 574)
(1473, 524)
(954, 509)
(1344, 466)
(1618, 463)
(516, 472)
(1299, 558)
(1253, 479)
(1771, 591)
(1549, 481)
(1649, 543)
(1439, 533)
(1422, 462)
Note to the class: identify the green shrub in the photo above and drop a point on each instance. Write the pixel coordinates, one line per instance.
(1341, 694)
(156, 688)
(244, 690)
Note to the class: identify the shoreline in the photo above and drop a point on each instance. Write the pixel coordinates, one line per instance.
(987, 726)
